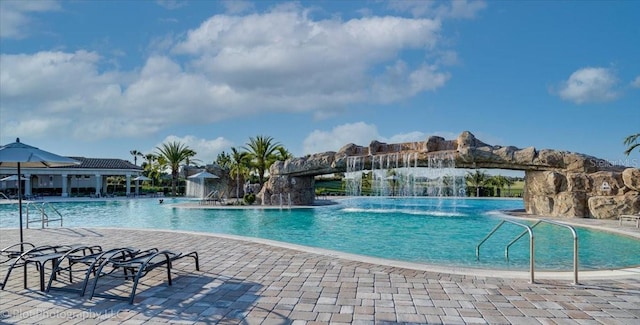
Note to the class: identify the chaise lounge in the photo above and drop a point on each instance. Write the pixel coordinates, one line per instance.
(40, 255)
(630, 218)
(91, 262)
(136, 266)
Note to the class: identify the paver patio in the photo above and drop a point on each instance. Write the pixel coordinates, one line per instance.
(249, 282)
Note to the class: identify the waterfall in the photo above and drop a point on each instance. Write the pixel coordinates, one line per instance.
(402, 174)
(353, 176)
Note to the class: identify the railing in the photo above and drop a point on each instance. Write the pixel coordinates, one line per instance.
(44, 216)
(282, 201)
(531, 245)
(5, 196)
(575, 244)
(529, 229)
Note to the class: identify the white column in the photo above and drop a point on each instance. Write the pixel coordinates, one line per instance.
(128, 185)
(103, 181)
(98, 184)
(65, 184)
(27, 184)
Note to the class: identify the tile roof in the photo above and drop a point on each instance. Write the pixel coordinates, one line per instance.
(103, 163)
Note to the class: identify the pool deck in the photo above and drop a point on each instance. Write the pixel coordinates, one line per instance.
(254, 281)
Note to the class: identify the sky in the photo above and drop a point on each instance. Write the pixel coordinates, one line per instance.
(101, 78)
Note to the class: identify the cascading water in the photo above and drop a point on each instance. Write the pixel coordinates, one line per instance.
(353, 176)
(398, 174)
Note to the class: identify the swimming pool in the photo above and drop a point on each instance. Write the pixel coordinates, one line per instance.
(423, 230)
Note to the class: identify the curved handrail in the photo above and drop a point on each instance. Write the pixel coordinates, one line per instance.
(575, 244)
(531, 244)
(44, 220)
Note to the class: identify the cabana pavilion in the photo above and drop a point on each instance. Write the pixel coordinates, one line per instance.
(58, 181)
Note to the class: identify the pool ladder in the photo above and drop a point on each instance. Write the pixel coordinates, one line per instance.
(529, 230)
(41, 209)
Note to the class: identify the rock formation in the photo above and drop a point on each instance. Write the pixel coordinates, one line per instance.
(557, 183)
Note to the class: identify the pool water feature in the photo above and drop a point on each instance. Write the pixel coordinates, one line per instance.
(423, 230)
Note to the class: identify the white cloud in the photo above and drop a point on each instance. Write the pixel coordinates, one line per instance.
(439, 9)
(15, 16)
(588, 85)
(292, 63)
(636, 82)
(207, 149)
(361, 133)
(228, 67)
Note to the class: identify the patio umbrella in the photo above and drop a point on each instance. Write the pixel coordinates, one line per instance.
(140, 178)
(203, 175)
(19, 155)
(13, 178)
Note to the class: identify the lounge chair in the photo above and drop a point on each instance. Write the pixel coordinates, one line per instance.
(140, 265)
(40, 255)
(11, 252)
(211, 198)
(90, 262)
(630, 218)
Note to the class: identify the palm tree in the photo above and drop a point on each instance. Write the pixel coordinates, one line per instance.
(283, 154)
(223, 160)
(239, 167)
(175, 153)
(499, 181)
(190, 161)
(148, 166)
(477, 179)
(261, 150)
(632, 141)
(136, 154)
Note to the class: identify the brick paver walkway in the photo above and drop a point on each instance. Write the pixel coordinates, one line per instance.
(243, 282)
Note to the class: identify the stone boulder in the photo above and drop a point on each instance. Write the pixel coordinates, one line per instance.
(435, 143)
(610, 207)
(631, 178)
(604, 183)
(545, 182)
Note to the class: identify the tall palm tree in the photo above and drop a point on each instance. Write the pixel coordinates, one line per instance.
(283, 154)
(239, 167)
(261, 150)
(148, 166)
(190, 160)
(223, 160)
(499, 181)
(175, 153)
(136, 154)
(632, 142)
(477, 179)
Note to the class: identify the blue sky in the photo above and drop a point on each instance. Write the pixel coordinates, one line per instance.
(101, 78)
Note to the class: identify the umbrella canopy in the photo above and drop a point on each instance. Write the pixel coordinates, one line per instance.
(203, 175)
(19, 155)
(140, 178)
(13, 178)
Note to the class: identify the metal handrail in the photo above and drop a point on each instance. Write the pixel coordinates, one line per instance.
(44, 220)
(5, 196)
(575, 244)
(531, 244)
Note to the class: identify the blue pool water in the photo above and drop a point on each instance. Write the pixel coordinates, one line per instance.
(423, 230)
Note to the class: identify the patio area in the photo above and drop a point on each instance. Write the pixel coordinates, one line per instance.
(253, 282)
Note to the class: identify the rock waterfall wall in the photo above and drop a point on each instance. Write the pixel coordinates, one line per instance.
(557, 183)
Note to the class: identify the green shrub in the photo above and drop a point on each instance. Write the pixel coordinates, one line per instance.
(249, 198)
